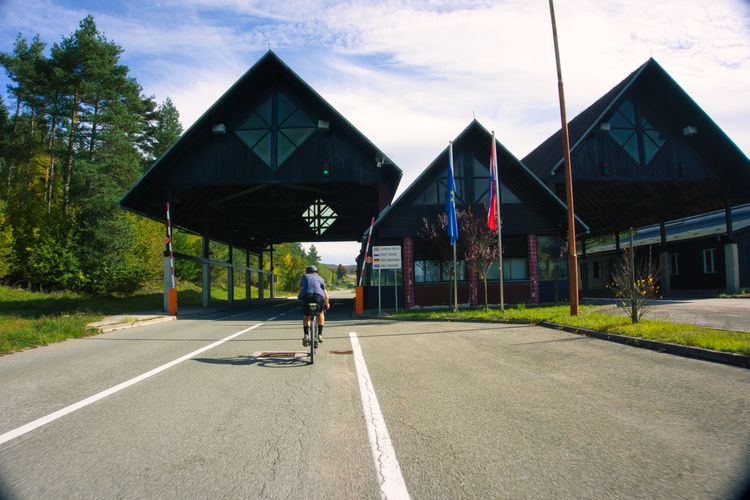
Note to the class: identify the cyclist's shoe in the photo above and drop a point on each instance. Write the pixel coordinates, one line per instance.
(320, 339)
(306, 340)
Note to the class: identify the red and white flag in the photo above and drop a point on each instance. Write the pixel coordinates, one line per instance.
(492, 209)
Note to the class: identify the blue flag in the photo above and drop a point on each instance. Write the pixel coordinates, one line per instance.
(450, 199)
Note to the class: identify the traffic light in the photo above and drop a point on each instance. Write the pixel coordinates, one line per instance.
(326, 170)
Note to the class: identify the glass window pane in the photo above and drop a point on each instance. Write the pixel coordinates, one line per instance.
(297, 135)
(286, 108)
(622, 135)
(649, 148)
(251, 137)
(479, 169)
(298, 120)
(264, 111)
(419, 270)
(481, 190)
(432, 271)
(263, 149)
(628, 111)
(655, 136)
(631, 146)
(285, 148)
(508, 197)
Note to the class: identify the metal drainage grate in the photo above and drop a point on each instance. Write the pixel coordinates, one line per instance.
(342, 352)
(278, 355)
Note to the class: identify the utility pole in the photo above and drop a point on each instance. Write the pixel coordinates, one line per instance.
(572, 257)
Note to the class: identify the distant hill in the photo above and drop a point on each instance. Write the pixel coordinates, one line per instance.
(349, 269)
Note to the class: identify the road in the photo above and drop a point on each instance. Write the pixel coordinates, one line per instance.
(472, 411)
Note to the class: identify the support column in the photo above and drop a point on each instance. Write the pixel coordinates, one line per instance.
(261, 284)
(272, 278)
(665, 273)
(230, 277)
(247, 277)
(408, 273)
(533, 269)
(732, 266)
(206, 275)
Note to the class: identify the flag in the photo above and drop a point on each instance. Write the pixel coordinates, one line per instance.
(492, 192)
(450, 199)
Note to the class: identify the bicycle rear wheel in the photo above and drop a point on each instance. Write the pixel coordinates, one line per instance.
(313, 337)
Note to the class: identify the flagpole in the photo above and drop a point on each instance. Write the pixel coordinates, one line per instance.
(499, 221)
(572, 256)
(455, 280)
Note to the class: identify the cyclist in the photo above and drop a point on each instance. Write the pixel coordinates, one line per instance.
(313, 289)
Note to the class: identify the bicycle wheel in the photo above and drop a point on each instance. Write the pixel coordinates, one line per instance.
(313, 337)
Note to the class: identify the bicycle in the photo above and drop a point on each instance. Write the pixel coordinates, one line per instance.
(313, 330)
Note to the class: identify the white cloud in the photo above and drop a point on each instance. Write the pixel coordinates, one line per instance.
(411, 74)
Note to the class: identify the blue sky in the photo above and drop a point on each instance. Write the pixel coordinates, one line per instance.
(411, 74)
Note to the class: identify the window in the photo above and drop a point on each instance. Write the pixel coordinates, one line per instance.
(597, 271)
(434, 271)
(674, 264)
(482, 186)
(514, 269)
(275, 129)
(709, 261)
(550, 258)
(634, 133)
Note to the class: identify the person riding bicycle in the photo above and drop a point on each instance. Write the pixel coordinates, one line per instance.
(313, 290)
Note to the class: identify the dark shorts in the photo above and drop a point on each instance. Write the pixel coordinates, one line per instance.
(312, 297)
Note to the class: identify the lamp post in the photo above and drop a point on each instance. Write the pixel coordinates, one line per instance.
(572, 257)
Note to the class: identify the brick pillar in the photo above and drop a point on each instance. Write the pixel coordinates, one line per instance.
(473, 301)
(533, 270)
(408, 272)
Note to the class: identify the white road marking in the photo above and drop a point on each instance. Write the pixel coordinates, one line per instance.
(392, 485)
(20, 431)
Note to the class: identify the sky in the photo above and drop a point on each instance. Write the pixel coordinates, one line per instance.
(412, 74)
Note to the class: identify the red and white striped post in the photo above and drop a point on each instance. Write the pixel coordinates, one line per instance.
(172, 304)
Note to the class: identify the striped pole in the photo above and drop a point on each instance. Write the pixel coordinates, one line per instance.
(172, 289)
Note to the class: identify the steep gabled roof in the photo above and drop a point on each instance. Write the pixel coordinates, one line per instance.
(509, 166)
(546, 158)
(220, 185)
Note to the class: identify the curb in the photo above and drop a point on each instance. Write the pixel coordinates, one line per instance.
(132, 324)
(727, 358)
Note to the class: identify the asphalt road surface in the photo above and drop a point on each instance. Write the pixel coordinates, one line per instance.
(470, 410)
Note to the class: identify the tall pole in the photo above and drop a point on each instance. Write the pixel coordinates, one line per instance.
(455, 280)
(499, 220)
(572, 257)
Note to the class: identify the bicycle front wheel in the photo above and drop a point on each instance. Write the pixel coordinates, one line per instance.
(313, 337)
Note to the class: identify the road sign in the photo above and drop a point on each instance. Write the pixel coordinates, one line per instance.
(386, 257)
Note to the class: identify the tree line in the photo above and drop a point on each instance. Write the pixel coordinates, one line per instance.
(76, 134)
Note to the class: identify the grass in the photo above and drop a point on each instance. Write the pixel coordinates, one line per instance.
(31, 319)
(591, 317)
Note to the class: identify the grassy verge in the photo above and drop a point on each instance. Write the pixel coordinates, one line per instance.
(30, 319)
(591, 318)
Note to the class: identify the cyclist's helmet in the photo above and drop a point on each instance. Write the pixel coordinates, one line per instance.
(311, 269)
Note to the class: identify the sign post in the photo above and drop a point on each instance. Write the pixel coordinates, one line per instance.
(387, 257)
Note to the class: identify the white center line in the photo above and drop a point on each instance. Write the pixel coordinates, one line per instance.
(392, 485)
(20, 431)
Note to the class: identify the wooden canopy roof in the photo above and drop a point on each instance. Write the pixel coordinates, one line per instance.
(271, 161)
(698, 168)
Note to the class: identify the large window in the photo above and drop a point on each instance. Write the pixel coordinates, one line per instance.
(514, 269)
(634, 133)
(482, 186)
(709, 260)
(435, 271)
(275, 129)
(434, 193)
(551, 258)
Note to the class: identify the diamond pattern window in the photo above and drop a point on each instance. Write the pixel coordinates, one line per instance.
(634, 133)
(275, 129)
(319, 217)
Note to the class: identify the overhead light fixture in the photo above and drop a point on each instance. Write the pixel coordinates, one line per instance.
(324, 125)
(219, 129)
(604, 126)
(690, 130)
